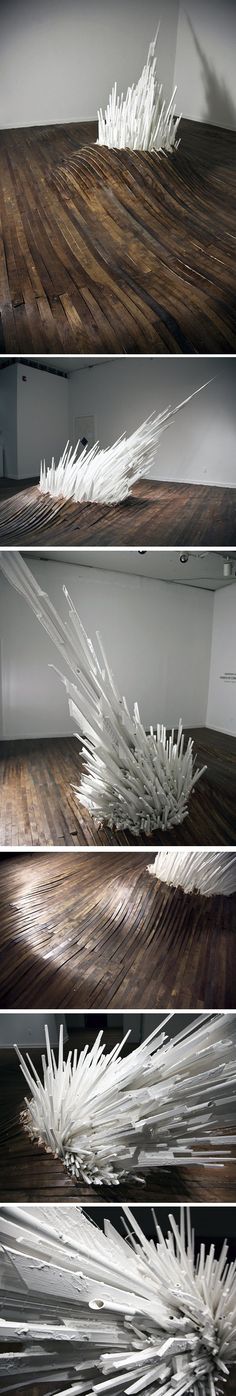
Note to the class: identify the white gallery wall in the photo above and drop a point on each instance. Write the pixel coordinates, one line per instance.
(42, 418)
(39, 411)
(205, 61)
(221, 709)
(27, 1029)
(58, 62)
(157, 636)
(200, 446)
(33, 419)
(8, 420)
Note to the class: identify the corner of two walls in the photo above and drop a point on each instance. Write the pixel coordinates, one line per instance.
(42, 418)
(182, 637)
(204, 69)
(81, 49)
(149, 628)
(221, 706)
(8, 420)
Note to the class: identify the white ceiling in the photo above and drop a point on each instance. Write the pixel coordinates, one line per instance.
(200, 571)
(73, 364)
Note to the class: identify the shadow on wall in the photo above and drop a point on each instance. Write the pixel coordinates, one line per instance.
(220, 109)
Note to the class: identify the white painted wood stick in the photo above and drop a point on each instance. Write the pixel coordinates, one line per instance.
(167, 1102)
(131, 779)
(142, 120)
(107, 475)
(103, 1312)
(207, 872)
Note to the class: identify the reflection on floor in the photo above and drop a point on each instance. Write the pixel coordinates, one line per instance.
(158, 513)
(38, 805)
(133, 252)
(94, 930)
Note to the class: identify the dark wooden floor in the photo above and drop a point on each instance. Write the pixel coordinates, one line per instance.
(38, 805)
(28, 1173)
(113, 251)
(95, 931)
(157, 513)
(42, 1390)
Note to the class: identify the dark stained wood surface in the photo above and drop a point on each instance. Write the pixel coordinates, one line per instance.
(116, 251)
(96, 931)
(38, 805)
(29, 1174)
(158, 513)
(42, 1390)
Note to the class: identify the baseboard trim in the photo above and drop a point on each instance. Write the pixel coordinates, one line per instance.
(207, 484)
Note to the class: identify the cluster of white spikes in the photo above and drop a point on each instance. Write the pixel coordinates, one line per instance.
(142, 120)
(131, 779)
(211, 873)
(112, 1314)
(107, 475)
(107, 1117)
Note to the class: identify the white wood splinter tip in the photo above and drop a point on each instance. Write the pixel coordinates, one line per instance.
(211, 874)
(131, 779)
(107, 1116)
(107, 475)
(85, 1309)
(142, 120)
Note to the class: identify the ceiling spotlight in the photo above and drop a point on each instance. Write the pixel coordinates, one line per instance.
(228, 567)
(142, 552)
(184, 557)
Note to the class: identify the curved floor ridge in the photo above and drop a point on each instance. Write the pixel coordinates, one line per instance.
(123, 251)
(95, 930)
(158, 513)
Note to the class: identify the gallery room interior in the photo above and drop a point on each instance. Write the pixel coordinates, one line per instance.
(117, 698)
(117, 236)
(180, 485)
(123, 1053)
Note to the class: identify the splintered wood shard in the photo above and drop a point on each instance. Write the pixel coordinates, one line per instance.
(89, 1310)
(106, 476)
(131, 779)
(142, 120)
(211, 874)
(108, 1116)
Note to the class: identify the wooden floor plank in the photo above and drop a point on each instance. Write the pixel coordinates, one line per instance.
(38, 805)
(104, 250)
(158, 513)
(93, 930)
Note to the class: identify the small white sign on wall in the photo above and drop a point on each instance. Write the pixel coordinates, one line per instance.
(228, 677)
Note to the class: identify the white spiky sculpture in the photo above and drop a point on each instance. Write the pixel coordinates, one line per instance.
(142, 120)
(210, 873)
(107, 475)
(111, 1314)
(107, 1117)
(131, 779)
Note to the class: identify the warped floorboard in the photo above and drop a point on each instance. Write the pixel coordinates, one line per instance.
(29, 1174)
(95, 931)
(121, 252)
(157, 513)
(38, 805)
